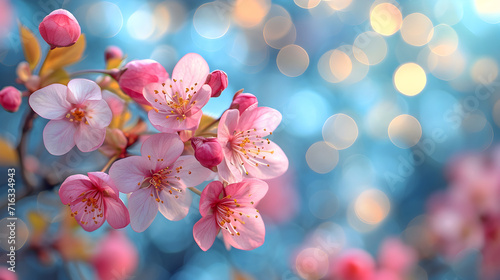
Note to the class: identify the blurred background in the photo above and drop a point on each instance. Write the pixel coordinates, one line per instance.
(378, 98)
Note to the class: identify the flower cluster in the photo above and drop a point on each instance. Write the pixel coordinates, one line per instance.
(189, 147)
(465, 217)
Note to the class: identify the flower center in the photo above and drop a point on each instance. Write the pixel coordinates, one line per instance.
(179, 103)
(228, 217)
(251, 148)
(92, 204)
(77, 115)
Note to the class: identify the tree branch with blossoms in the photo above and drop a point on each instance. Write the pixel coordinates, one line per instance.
(234, 152)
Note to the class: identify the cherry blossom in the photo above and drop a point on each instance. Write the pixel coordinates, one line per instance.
(79, 116)
(247, 151)
(158, 180)
(94, 199)
(232, 210)
(60, 29)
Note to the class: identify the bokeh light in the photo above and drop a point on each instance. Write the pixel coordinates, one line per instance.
(488, 10)
(338, 4)
(372, 206)
(307, 4)
(279, 31)
(334, 66)
(312, 263)
(210, 22)
(369, 48)
(340, 131)
(405, 131)
(410, 79)
(140, 24)
(292, 60)
(104, 19)
(386, 19)
(447, 67)
(484, 71)
(417, 29)
(444, 40)
(246, 13)
(449, 12)
(322, 157)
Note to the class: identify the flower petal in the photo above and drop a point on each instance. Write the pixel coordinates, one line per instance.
(205, 231)
(227, 125)
(59, 136)
(228, 171)
(128, 173)
(50, 102)
(210, 196)
(103, 181)
(191, 69)
(143, 208)
(88, 138)
(99, 114)
(201, 98)
(248, 192)
(174, 122)
(252, 233)
(162, 149)
(85, 220)
(80, 90)
(260, 118)
(155, 94)
(277, 161)
(116, 213)
(73, 187)
(191, 172)
(174, 208)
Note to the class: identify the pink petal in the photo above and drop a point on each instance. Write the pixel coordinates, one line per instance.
(174, 208)
(116, 213)
(99, 114)
(115, 103)
(252, 233)
(228, 171)
(103, 181)
(89, 139)
(210, 196)
(80, 90)
(201, 97)
(73, 187)
(260, 118)
(227, 125)
(247, 191)
(191, 69)
(162, 149)
(50, 102)
(205, 231)
(171, 124)
(129, 173)
(192, 172)
(143, 208)
(277, 161)
(59, 136)
(86, 221)
(154, 94)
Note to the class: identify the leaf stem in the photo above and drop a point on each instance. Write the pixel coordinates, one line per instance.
(108, 164)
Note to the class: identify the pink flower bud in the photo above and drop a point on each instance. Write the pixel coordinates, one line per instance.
(242, 101)
(60, 29)
(10, 98)
(113, 52)
(217, 80)
(137, 74)
(207, 151)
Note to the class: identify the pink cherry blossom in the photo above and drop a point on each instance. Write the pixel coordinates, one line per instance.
(93, 200)
(116, 257)
(60, 29)
(5, 273)
(217, 80)
(247, 151)
(207, 151)
(231, 209)
(242, 101)
(177, 102)
(139, 73)
(158, 180)
(113, 52)
(79, 116)
(353, 264)
(10, 98)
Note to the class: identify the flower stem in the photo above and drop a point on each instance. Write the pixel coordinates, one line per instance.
(195, 190)
(110, 161)
(94, 71)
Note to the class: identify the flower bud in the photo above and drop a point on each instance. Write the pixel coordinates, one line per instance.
(242, 101)
(10, 98)
(207, 151)
(217, 80)
(60, 29)
(137, 74)
(113, 52)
